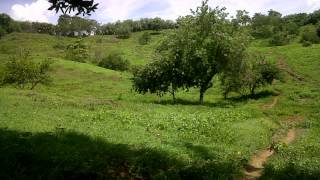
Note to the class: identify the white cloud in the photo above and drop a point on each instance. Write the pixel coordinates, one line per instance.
(36, 11)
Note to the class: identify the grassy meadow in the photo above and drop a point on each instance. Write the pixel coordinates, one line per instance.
(90, 124)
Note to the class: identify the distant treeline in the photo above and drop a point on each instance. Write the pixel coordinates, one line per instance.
(271, 25)
(67, 24)
(155, 24)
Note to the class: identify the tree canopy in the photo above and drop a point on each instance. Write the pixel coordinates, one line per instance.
(193, 54)
(84, 7)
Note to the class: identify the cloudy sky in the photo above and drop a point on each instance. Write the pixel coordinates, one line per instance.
(112, 10)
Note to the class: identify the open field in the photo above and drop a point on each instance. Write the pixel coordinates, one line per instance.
(89, 124)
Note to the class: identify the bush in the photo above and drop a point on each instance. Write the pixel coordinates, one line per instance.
(144, 38)
(2, 32)
(309, 33)
(22, 71)
(306, 44)
(279, 39)
(254, 74)
(123, 31)
(78, 51)
(115, 62)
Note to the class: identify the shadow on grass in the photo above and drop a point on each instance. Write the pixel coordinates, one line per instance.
(218, 104)
(70, 155)
(290, 172)
(244, 98)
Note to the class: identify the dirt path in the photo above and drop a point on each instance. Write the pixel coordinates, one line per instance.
(255, 167)
(271, 105)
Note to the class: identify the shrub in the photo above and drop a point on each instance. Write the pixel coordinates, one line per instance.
(2, 32)
(78, 51)
(123, 31)
(115, 62)
(309, 33)
(252, 75)
(60, 46)
(279, 39)
(144, 38)
(306, 44)
(22, 71)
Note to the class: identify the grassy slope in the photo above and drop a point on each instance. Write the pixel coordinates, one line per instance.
(89, 123)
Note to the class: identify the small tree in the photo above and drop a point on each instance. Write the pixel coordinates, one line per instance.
(249, 76)
(114, 61)
(21, 71)
(78, 51)
(198, 50)
(280, 39)
(144, 38)
(309, 33)
(123, 31)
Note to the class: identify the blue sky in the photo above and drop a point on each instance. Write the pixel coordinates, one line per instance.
(113, 10)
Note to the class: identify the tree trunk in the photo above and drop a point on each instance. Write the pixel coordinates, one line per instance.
(173, 97)
(201, 97)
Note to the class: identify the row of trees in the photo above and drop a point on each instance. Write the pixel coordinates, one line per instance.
(280, 29)
(155, 24)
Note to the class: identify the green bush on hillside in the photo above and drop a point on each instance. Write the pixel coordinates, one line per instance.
(144, 38)
(22, 71)
(252, 75)
(2, 32)
(123, 31)
(309, 33)
(78, 51)
(114, 61)
(306, 44)
(280, 39)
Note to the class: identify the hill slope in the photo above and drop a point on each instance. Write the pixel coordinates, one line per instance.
(90, 124)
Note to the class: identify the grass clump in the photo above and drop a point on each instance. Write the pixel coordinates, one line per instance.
(114, 61)
(78, 51)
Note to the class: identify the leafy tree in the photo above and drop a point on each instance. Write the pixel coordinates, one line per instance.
(249, 75)
(144, 38)
(2, 32)
(68, 24)
(123, 31)
(313, 18)
(242, 18)
(21, 71)
(114, 61)
(159, 77)
(84, 7)
(78, 51)
(8, 24)
(280, 39)
(197, 51)
(309, 33)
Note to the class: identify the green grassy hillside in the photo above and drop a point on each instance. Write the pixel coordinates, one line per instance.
(89, 123)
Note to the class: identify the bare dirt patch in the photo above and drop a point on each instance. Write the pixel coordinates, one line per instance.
(254, 169)
(270, 105)
(284, 66)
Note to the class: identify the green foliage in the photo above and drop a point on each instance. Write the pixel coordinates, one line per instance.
(200, 48)
(144, 38)
(249, 75)
(78, 51)
(68, 24)
(306, 43)
(2, 32)
(309, 33)
(8, 25)
(280, 39)
(143, 24)
(83, 7)
(123, 31)
(21, 71)
(114, 61)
